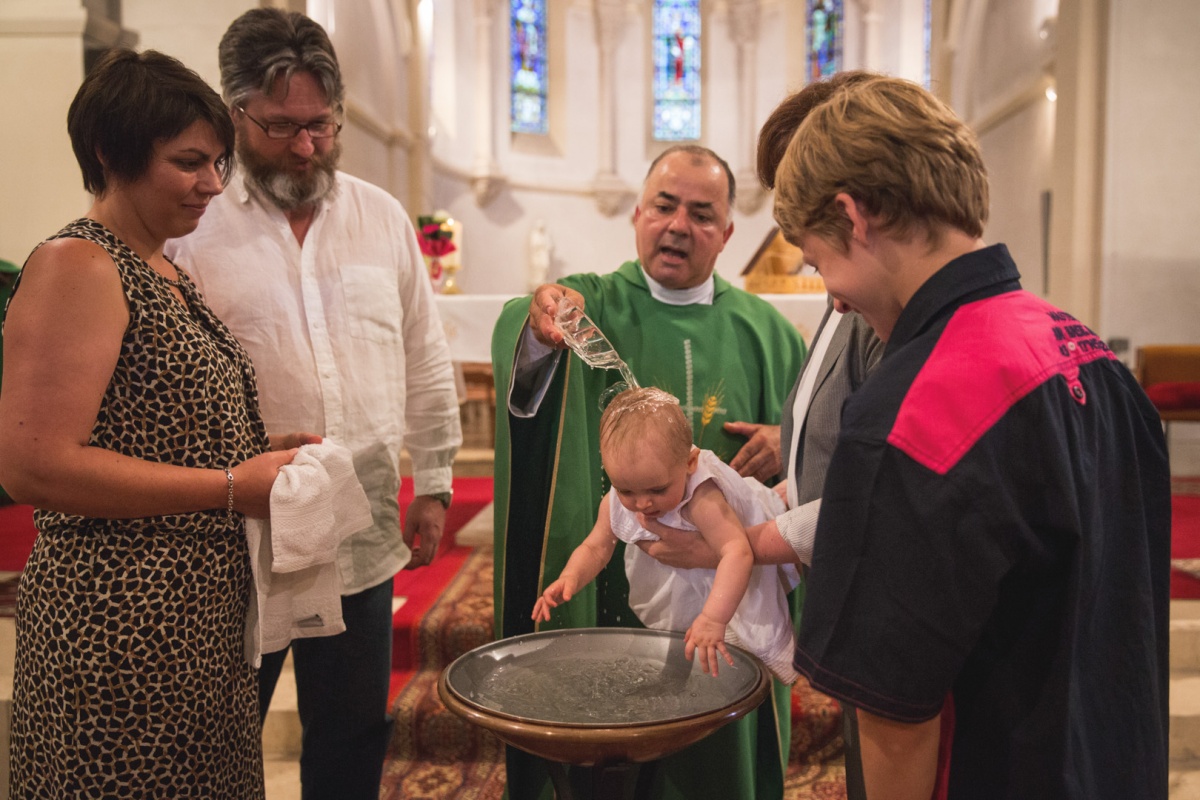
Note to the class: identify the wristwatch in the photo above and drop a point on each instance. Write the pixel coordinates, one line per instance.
(443, 498)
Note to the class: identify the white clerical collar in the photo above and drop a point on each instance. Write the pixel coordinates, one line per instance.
(696, 295)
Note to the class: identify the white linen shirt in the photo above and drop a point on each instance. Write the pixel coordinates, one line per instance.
(345, 338)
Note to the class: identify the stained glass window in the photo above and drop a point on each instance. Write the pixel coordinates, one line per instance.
(824, 38)
(528, 27)
(676, 70)
(928, 42)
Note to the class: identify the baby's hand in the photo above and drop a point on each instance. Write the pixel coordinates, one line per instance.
(706, 636)
(558, 592)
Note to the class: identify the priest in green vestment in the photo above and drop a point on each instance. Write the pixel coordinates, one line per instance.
(727, 355)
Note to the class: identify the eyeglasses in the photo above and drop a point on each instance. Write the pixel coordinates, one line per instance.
(320, 129)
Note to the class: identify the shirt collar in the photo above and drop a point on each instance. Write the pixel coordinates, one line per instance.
(972, 276)
(696, 295)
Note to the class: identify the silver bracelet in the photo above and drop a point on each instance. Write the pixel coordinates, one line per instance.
(229, 481)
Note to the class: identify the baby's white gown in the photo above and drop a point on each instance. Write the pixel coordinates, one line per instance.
(669, 599)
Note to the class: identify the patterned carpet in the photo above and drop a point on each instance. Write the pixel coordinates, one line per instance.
(435, 755)
(815, 766)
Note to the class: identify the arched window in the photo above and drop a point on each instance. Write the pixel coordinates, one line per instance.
(527, 24)
(676, 70)
(824, 38)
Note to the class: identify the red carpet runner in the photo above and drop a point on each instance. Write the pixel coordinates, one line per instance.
(447, 611)
(16, 537)
(421, 586)
(1185, 538)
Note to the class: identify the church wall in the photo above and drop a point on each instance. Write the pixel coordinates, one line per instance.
(1150, 253)
(1017, 151)
(721, 90)
(372, 46)
(1149, 260)
(375, 45)
(1149, 269)
(184, 30)
(1003, 65)
(366, 156)
(41, 65)
(552, 181)
(568, 158)
(545, 179)
(1011, 52)
(901, 31)
(385, 135)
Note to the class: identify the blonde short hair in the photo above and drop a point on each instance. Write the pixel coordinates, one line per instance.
(897, 150)
(635, 414)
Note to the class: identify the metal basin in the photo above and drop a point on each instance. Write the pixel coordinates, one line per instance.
(599, 696)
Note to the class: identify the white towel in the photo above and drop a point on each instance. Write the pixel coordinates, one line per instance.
(316, 502)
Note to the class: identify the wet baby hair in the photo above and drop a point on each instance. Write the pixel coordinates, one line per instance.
(638, 414)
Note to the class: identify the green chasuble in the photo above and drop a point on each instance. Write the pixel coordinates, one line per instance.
(733, 360)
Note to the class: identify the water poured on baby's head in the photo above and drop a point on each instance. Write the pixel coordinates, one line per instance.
(646, 415)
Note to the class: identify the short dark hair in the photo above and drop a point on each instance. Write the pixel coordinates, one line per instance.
(131, 101)
(264, 44)
(779, 128)
(699, 151)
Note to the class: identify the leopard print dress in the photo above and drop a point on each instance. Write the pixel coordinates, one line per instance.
(130, 676)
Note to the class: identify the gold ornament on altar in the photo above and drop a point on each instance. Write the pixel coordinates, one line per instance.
(440, 237)
(775, 269)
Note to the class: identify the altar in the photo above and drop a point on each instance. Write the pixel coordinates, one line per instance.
(468, 319)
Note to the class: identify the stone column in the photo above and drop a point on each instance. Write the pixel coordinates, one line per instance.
(744, 18)
(1077, 179)
(41, 67)
(486, 180)
(872, 26)
(612, 193)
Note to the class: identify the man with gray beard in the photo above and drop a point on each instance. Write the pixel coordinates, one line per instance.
(320, 276)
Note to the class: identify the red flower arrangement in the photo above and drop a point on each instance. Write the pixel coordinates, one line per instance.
(435, 235)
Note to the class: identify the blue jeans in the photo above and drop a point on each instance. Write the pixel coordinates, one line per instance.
(342, 693)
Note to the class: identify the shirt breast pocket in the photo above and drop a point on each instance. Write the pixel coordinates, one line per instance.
(372, 298)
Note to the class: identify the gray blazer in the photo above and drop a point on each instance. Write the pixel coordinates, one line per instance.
(852, 354)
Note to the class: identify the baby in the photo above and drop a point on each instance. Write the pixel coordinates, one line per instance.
(646, 448)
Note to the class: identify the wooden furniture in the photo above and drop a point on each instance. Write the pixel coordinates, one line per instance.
(1170, 374)
(478, 406)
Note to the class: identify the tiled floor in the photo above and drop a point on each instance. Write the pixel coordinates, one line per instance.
(281, 740)
(283, 777)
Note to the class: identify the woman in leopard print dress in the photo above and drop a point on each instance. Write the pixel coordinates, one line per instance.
(128, 418)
